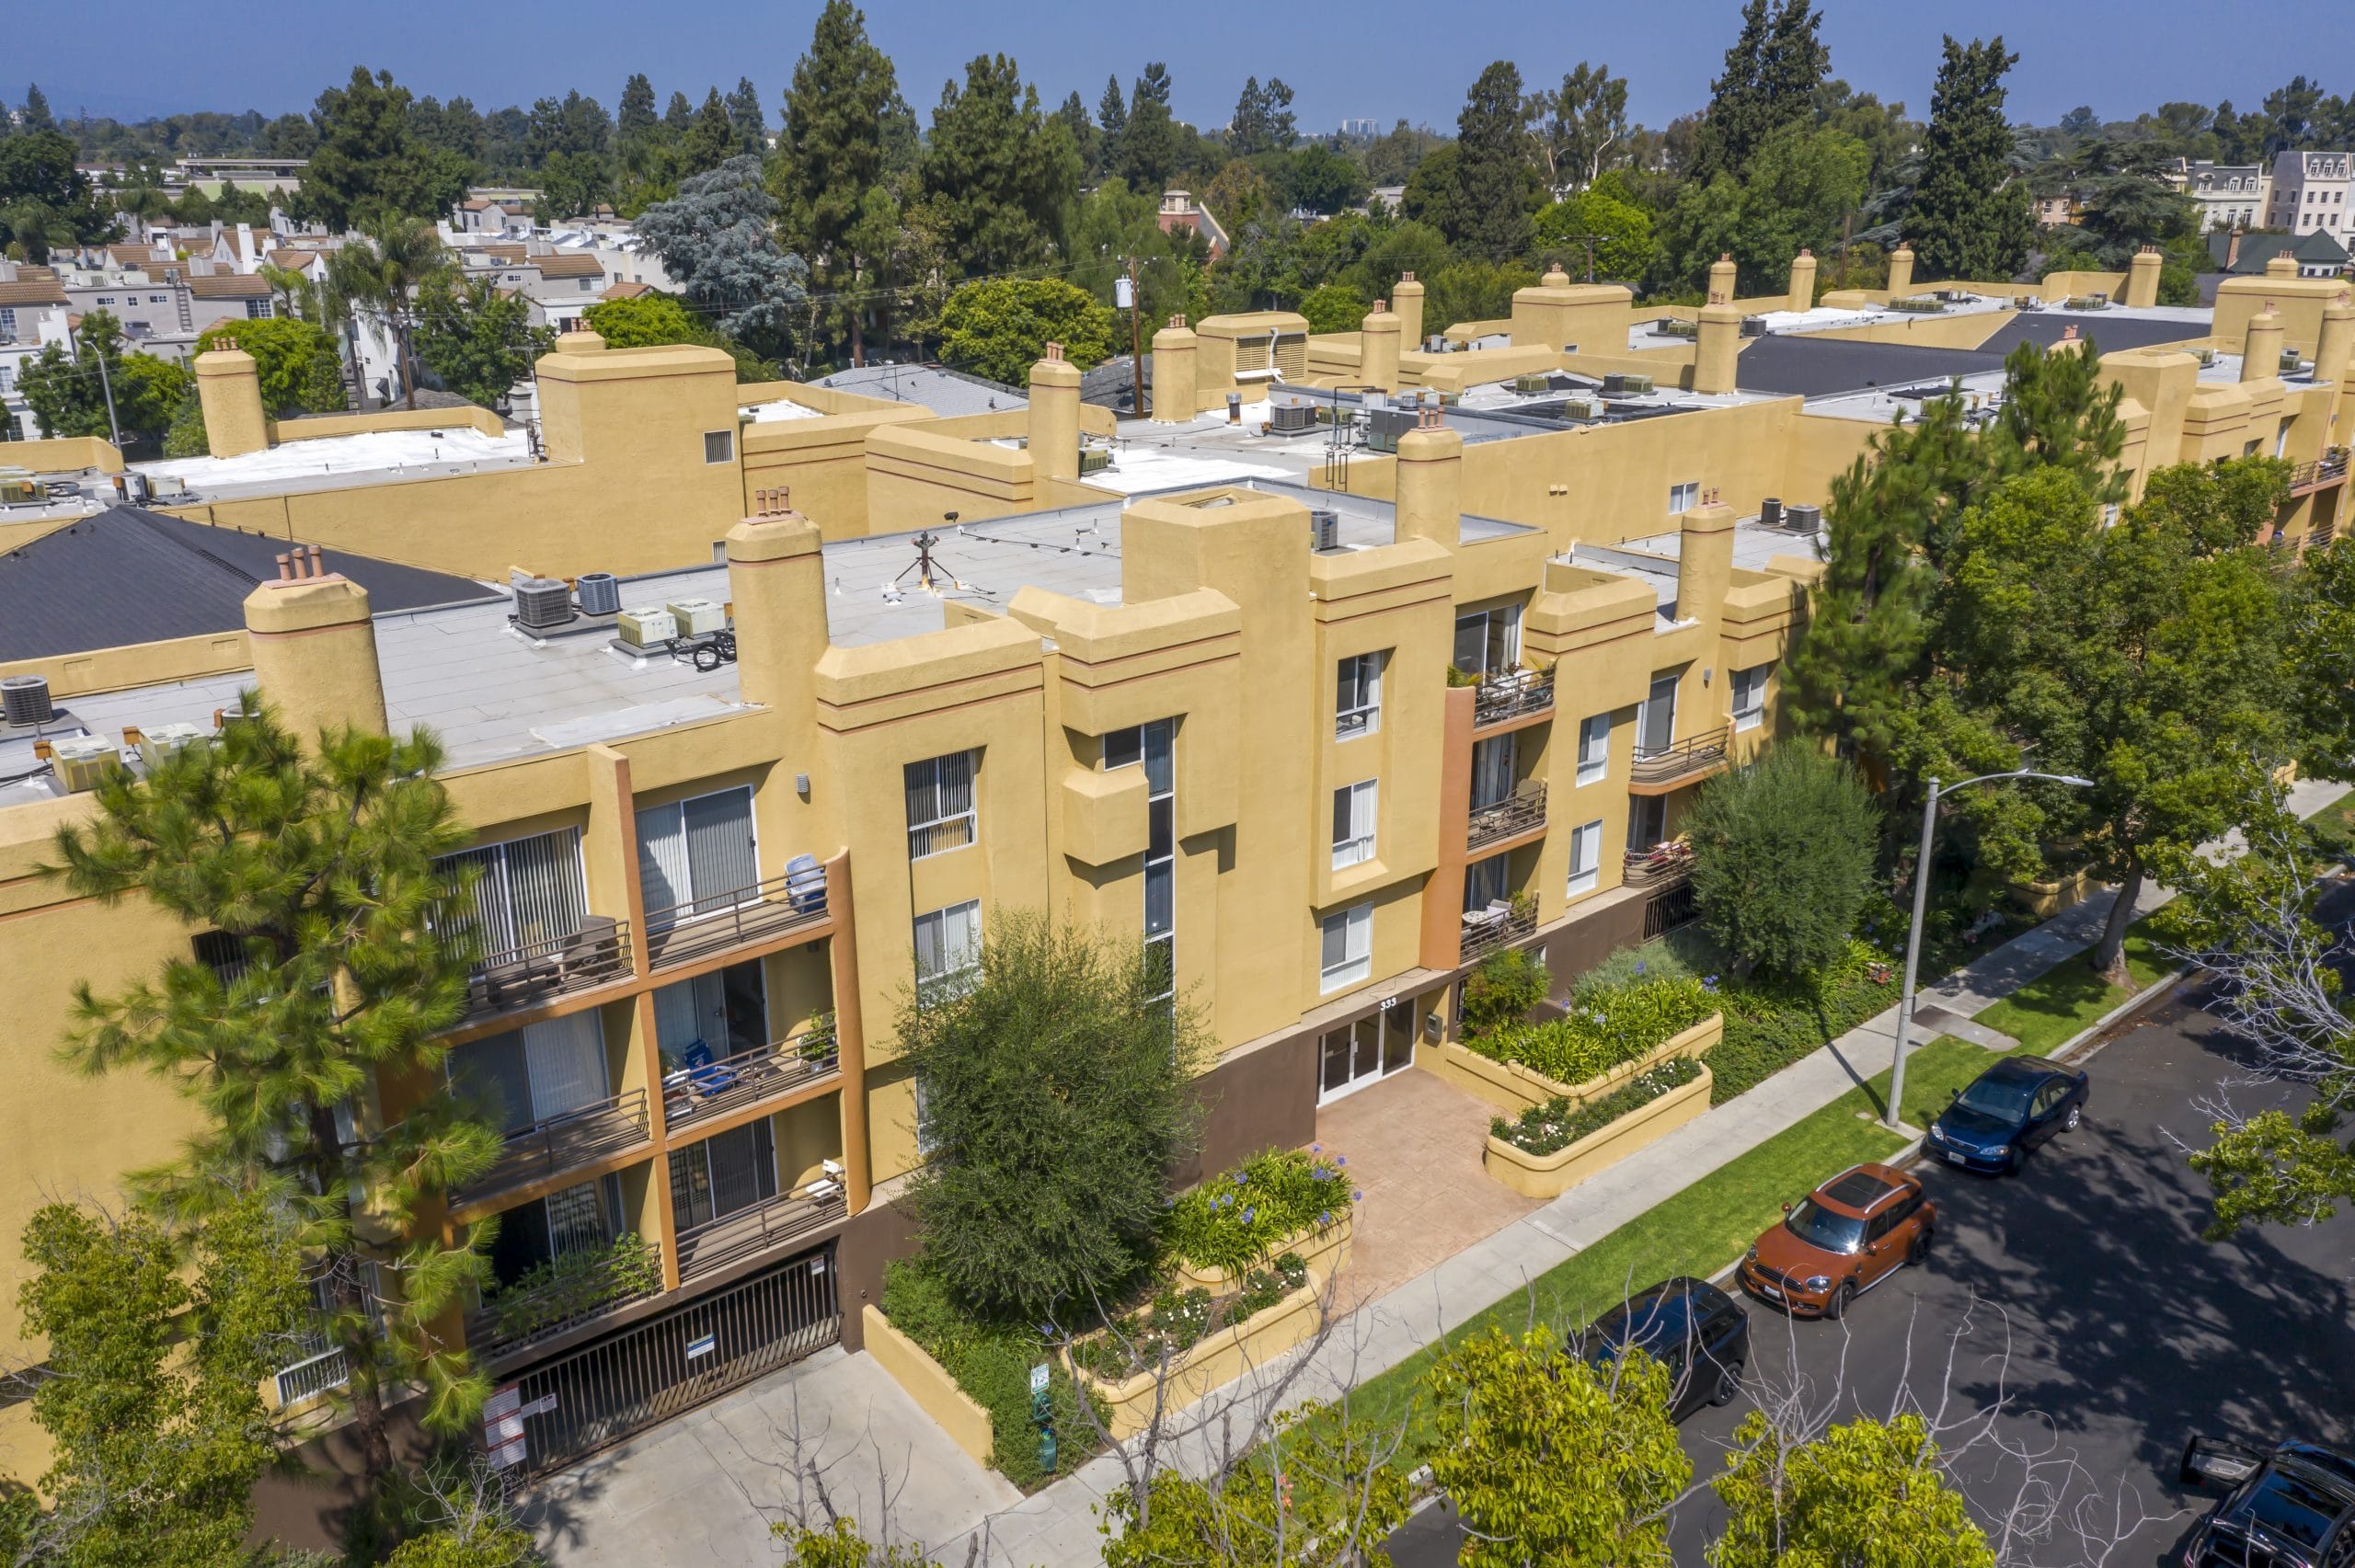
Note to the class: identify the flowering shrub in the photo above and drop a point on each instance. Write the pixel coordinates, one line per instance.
(1177, 1321)
(1232, 1220)
(1554, 1126)
(1605, 1026)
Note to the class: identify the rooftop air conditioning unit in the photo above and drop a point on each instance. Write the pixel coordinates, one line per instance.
(1803, 519)
(158, 743)
(25, 699)
(542, 603)
(648, 628)
(1324, 530)
(1635, 385)
(1290, 418)
(1528, 383)
(599, 593)
(697, 617)
(1584, 408)
(83, 759)
(1770, 512)
(2289, 360)
(2206, 356)
(1754, 327)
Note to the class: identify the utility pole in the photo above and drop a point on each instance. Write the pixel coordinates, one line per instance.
(1136, 342)
(106, 385)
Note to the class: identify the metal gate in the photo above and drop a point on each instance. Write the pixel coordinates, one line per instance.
(562, 1411)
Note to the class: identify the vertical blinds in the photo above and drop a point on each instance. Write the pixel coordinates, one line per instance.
(694, 856)
(530, 891)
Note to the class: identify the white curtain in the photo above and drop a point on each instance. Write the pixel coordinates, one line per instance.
(566, 1060)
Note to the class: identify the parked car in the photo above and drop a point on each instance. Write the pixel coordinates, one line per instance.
(2293, 1507)
(1840, 1240)
(1701, 1333)
(2008, 1110)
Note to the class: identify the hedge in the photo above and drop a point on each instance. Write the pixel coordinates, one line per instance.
(1606, 1025)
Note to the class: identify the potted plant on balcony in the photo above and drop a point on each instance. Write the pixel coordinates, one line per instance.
(1523, 907)
(819, 1043)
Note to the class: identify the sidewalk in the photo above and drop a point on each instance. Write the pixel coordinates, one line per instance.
(681, 1485)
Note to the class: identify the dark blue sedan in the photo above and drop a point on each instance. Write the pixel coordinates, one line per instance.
(2013, 1106)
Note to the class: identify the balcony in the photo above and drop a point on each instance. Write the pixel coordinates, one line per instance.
(538, 972)
(699, 1093)
(1658, 770)
(560, 1143)
(748, 1233)
(577, 1288)
(1498, 925)
(1661, 866)
(723, 922)
(1514, 694)
(1518, 813)
(2305, 478)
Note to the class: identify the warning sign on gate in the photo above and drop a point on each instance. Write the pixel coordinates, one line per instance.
(507, 1456)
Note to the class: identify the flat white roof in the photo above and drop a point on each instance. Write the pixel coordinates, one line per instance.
(325, 462)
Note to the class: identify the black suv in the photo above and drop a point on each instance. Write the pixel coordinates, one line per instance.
(1696, 1330)
(2292, 1508)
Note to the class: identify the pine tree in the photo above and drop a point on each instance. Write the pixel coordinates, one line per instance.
(744, 116)
(1492, 170)
(1770, 73)
(636, 118)
(1002, 173)
(679, 115)
(321, 869)
(710, 141)
(844, 101)
(1970, 217)
(36, 113)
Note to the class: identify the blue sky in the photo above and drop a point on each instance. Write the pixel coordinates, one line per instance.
(1356, 57)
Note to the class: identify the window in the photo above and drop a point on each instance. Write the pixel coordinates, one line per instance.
(1495, 763)
(540, 1074)
(1488, 642)
(1160, 856)
(725, 1012)
(258, 310)
(106, 299)
(1750, 696)
(159, 299)
(697, 855)
(587, 284)
(1124, 748)
(1586, 858)
(2281, 441)
(7, 378)
(1594, 747)
(940, 805)
(1685, 497)
(949, 949)
(1357, 699)
(719, 446)
(1485, 883)
(1353, 819)
(1348, 946)
(529, 895)
(722, 1174)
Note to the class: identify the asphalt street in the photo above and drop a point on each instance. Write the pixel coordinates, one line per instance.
(2076, 1312)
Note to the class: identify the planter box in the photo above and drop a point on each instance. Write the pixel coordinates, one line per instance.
(1322, 1250)
(1513, 1088)
(966, 1423)
(2045, 899)
(1218, 1360)
(1550, 1175)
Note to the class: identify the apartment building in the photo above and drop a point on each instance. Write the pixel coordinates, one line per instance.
(2310, 194)
(32, 314)
(2229, 196)
(1320, 720)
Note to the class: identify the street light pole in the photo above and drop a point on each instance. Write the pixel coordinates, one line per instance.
(1892, 1114)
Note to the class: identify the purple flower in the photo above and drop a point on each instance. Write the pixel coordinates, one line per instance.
(1357, 1197)
(1242, 1177)
(1639, 966)
(1316, 1149)
(1249, 1215)
(1326, 1218)
(1341, 1159)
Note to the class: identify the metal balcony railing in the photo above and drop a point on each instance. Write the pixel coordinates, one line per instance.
(1488, 929)
(541, 971)
(580, 1289)
(693, 1093)
(1664, 865)
(2328, 469)
(1688, 758)
(559, 1143)
(1519, 812)
(684, 933)
(322, 1366)
(1510, 695)
(731, 1238)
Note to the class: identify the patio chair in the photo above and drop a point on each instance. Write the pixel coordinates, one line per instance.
(805, 885)
(698, 1075)
(594, 951)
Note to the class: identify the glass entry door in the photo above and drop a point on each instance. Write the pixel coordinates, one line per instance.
(1355, 1055)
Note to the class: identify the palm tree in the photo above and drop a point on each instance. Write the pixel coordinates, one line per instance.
(379, 272)
(141, 204)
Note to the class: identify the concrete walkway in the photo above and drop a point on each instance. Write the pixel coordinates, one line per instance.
(1058, 1524)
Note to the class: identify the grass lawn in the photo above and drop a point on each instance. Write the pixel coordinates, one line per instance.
(2334, 825)
(1702, 1229)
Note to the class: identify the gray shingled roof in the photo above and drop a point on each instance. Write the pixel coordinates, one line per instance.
(128, 574)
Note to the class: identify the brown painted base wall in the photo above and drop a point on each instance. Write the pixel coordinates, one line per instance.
(1583, 944)
(308, 1503)
(1260, 1099)
(882, 1233)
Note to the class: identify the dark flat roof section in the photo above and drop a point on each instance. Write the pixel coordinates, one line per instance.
(128, 574)
(2109, 333)
(1806, 365)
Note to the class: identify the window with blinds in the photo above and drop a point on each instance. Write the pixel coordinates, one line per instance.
(949, 949)
(531, 892)
(535, 1074)
(697, 855)
(1354, 813)
(940, 804)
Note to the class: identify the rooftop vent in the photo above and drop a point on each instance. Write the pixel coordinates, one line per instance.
(1324, 530)
(1770, 511)
(1802, 519)
(542, 603)
(25, 699)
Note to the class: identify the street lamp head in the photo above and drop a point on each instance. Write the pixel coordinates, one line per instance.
(2073, 779)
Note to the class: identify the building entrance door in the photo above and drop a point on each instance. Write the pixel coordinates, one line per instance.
(1354, 1055)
